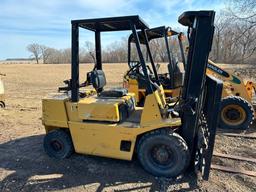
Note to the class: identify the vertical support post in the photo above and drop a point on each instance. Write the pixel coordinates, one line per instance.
(170, 60)
(150, 56)
(149, 88)
(182, 51)
(75, 63)
(98, 50)
(129, 51)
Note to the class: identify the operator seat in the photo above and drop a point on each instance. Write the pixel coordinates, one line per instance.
(98, 80)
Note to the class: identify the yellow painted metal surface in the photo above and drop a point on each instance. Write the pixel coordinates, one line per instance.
(233, 84)
(160, 95)
(54, 111)
(88, 92)
(231, 88)
(154, 109)
(72, 111)
(93, 108)
(101, 109)
(132, 86)
(140, 94)
(250, 88)
(102, 138)
(151, 113)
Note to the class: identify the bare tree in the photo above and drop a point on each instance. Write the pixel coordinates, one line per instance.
(243, 10)
(159, 48)
(220, 24)
(45, 52)
(65, 55)
(35, 50)
(90, 51)
(235, 29)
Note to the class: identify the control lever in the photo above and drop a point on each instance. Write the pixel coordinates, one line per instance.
(65, 88)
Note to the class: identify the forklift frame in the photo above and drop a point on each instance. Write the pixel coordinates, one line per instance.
(200, 97)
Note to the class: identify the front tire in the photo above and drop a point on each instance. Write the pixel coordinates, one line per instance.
(236, 113)
(58, 144)
(163, 153)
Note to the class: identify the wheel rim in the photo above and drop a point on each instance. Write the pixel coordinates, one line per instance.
(56, 145)
(162, 156)
(233, 115)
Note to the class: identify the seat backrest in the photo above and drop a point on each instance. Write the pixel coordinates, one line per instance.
(98, 80)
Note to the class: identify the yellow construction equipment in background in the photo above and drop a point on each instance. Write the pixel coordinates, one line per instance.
(237, 110)
(2, 94)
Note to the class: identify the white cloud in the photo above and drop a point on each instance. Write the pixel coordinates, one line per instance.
(48, 21)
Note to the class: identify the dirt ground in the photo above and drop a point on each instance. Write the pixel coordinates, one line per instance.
(24, 166)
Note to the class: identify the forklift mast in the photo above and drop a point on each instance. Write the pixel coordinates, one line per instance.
(201, 95)
(201, 25)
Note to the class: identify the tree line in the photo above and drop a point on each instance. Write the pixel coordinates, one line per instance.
(234, 41)
(235, 33)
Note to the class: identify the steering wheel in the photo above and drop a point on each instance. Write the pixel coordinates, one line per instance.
(137, 69)
(134, 69)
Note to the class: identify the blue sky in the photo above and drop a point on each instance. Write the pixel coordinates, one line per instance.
(48, 21)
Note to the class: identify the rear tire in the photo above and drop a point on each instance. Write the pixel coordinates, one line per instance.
(58, 144)
(236, 113)
(163, 153)
(2, 104)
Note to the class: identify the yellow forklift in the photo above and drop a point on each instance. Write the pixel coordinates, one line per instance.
(237, 111)
(168, 139)
(2, 94)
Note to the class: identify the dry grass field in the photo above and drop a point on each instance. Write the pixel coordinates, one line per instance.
(24, 166)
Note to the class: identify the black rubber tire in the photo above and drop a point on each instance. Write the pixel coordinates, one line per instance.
(247, 107)
(63, 141)
(179, 153)
(2, 104)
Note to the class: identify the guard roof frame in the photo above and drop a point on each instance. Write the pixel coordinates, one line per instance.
(111, 23)
(98, 25)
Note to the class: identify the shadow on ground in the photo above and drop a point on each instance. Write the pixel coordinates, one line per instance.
(250, 130)
(25, 167)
